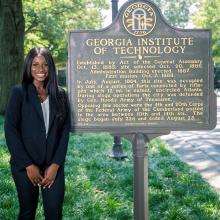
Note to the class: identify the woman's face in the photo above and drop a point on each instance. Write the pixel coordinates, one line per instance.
(39, 69)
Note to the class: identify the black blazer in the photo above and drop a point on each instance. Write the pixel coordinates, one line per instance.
(25, 130)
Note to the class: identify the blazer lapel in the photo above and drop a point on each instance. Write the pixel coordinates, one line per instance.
(35, 100)
(36, 103)
(52, 112)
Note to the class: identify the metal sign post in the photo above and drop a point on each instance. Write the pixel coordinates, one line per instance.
(117, 150)
(140, 154)
(140, 184)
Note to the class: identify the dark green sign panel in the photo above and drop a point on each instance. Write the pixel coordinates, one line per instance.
(141, 74)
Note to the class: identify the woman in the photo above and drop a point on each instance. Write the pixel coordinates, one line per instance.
(37, 131)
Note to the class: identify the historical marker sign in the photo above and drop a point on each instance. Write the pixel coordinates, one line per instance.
(141, 74)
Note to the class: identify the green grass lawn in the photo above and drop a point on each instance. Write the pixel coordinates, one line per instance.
(99, 188)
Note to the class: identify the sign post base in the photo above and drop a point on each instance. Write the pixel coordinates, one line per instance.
(117, 150)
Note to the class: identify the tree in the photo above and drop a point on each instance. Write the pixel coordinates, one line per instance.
(48, 22)
(208, 17)
(176, 12)
(11, 47)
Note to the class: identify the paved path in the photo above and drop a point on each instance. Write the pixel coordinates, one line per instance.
(200, 149)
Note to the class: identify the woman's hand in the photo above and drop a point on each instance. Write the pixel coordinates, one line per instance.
(33, 173)
(50, 175)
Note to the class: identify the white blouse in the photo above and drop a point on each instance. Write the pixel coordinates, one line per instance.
(46, 112)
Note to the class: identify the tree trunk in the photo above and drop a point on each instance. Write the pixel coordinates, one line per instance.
(11, 47)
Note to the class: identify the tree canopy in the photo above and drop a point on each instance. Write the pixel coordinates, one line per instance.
(176, 12)
(47, 22)
(208, 17)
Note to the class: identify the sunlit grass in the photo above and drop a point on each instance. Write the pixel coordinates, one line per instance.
(99, 188)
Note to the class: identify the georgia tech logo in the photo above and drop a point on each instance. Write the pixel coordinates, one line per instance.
(139, 19)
